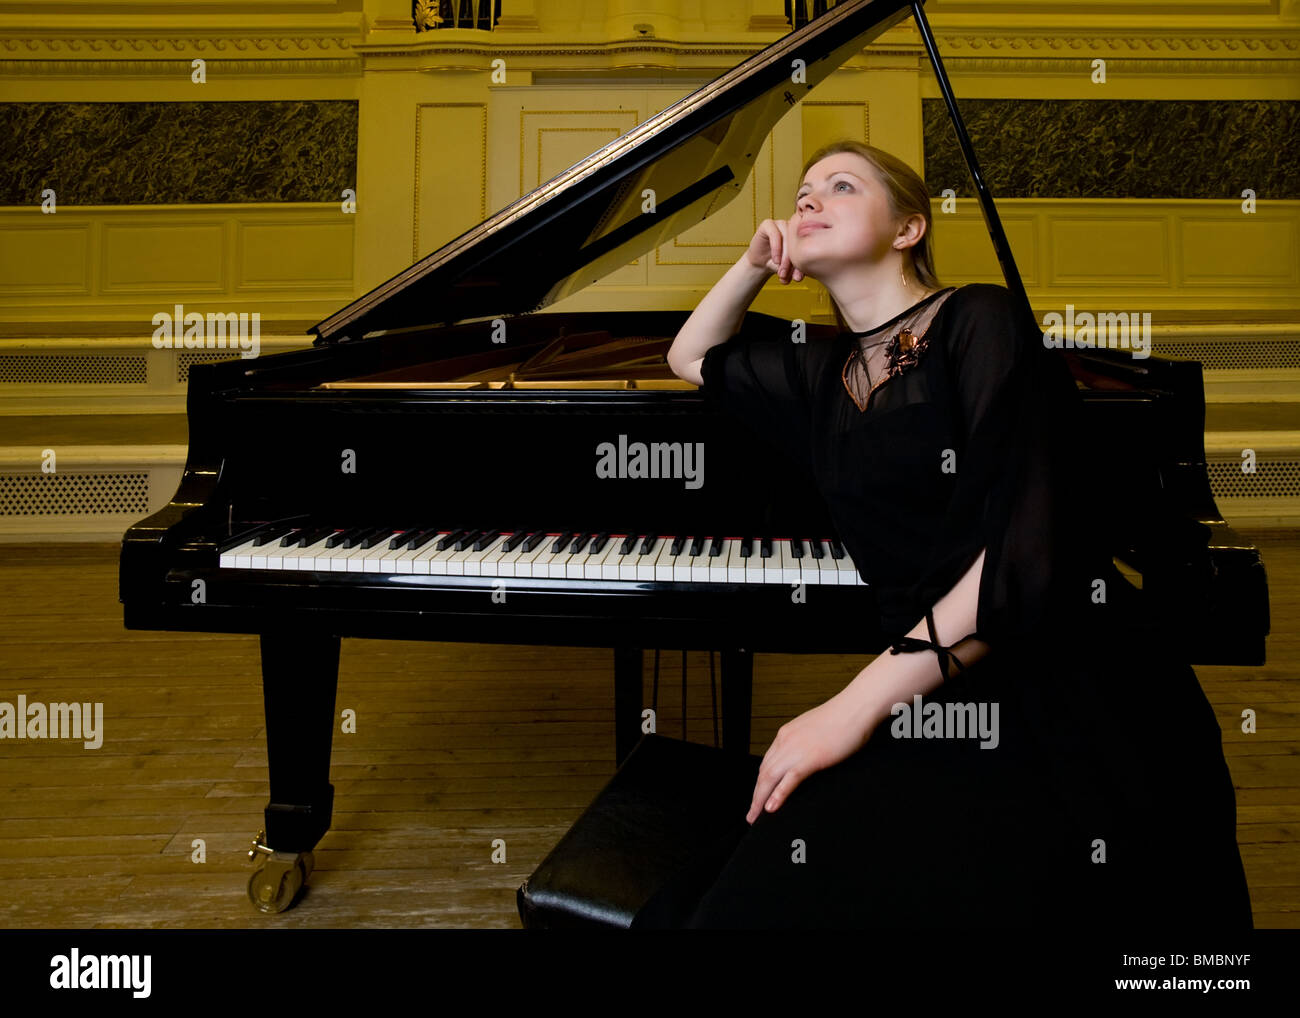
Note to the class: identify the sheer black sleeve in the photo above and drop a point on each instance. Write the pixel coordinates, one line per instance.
(761, 379)
(1015, 473)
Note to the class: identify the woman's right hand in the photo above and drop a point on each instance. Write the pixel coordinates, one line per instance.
(769, 250)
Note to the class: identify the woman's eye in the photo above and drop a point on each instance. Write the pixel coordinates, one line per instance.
(844, 182)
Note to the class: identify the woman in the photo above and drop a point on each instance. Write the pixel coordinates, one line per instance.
(943, 435)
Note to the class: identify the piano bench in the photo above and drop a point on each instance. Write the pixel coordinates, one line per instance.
(650, 844)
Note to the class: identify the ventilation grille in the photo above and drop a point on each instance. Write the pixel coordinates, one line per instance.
(1271, 479)
(184, 360)
(74, 369)
(1228, 354)
(74, 494)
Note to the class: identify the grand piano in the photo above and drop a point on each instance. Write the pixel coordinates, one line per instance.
(448, 462)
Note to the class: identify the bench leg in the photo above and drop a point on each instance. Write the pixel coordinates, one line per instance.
(627, 701)
(737, 698)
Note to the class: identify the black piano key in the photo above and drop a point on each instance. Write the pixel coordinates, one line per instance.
(486, 538)
(677, 546)
(379, 535)
(818, 549)
(765, 547)
(446, 542)
(599, 541)
(744, 547)
(697, 546)
(422, 538)
(467, 539)
(561, 541)
(533, 540)
(648, 543)
(579, 543)
(356, 538)
(715, 547)
(403, 539)
(306, 538)
(628, 544)
(514, 540)
(796, 547)
(837, 549)
(243, 538)
(273, 534)
(337, 538)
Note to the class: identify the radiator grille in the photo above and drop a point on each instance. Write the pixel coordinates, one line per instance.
(125, 368)
(74, 494)
(1271, 479)
(188, 357)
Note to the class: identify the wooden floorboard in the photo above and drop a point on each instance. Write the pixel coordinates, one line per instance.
(456, 746)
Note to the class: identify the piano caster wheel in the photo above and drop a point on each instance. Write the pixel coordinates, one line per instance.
(275, 886)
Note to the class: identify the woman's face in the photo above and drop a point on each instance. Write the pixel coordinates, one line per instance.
(842, 216)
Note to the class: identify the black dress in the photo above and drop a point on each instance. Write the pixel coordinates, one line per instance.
(1107, 800)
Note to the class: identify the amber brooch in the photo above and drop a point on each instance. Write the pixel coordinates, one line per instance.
(902, 352)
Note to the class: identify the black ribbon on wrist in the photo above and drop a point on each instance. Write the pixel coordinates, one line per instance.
(911, 644)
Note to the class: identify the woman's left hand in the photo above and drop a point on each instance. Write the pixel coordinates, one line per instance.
(813, 741)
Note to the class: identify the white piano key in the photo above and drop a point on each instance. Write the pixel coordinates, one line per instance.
(664, 560)
(489, 564)
(607, 565)
(292, 558)
(682, 564)
(481, 562)
(541, 563)
(735, 564)
(431, 560)
(576, 564)
(718, 563)
(789, 564)
(527, 560)
(754, 564)
(627, 563)
(230, 559)
(645, 564)
(368, 560)
(405, 561)
(698, 570)
(387, 562)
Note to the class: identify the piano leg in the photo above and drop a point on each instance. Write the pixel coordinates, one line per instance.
(299, 683)
(737, 698)
(627, 701)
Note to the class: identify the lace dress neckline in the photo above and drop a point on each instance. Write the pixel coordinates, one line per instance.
(902, 314)
(902, 351)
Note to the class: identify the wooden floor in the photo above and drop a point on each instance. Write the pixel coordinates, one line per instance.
(456, 746)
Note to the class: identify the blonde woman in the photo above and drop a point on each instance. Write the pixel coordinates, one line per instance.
(944, 437)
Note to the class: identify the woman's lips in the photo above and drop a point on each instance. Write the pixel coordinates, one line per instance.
(809, 227)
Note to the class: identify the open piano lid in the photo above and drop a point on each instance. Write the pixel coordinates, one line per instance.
(587, 222)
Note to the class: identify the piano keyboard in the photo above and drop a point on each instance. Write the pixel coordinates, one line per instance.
(543, 555)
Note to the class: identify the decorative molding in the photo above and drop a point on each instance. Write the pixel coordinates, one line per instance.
(158, 44)
(157, 56)
(1164, 66)
(1288, 42)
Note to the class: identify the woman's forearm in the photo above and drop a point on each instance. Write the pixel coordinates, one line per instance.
(716, 318)
(896, 678)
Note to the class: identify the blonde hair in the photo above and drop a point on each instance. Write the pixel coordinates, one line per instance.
(908, 195)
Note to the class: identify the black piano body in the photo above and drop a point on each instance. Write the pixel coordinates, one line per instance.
(410, 421)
